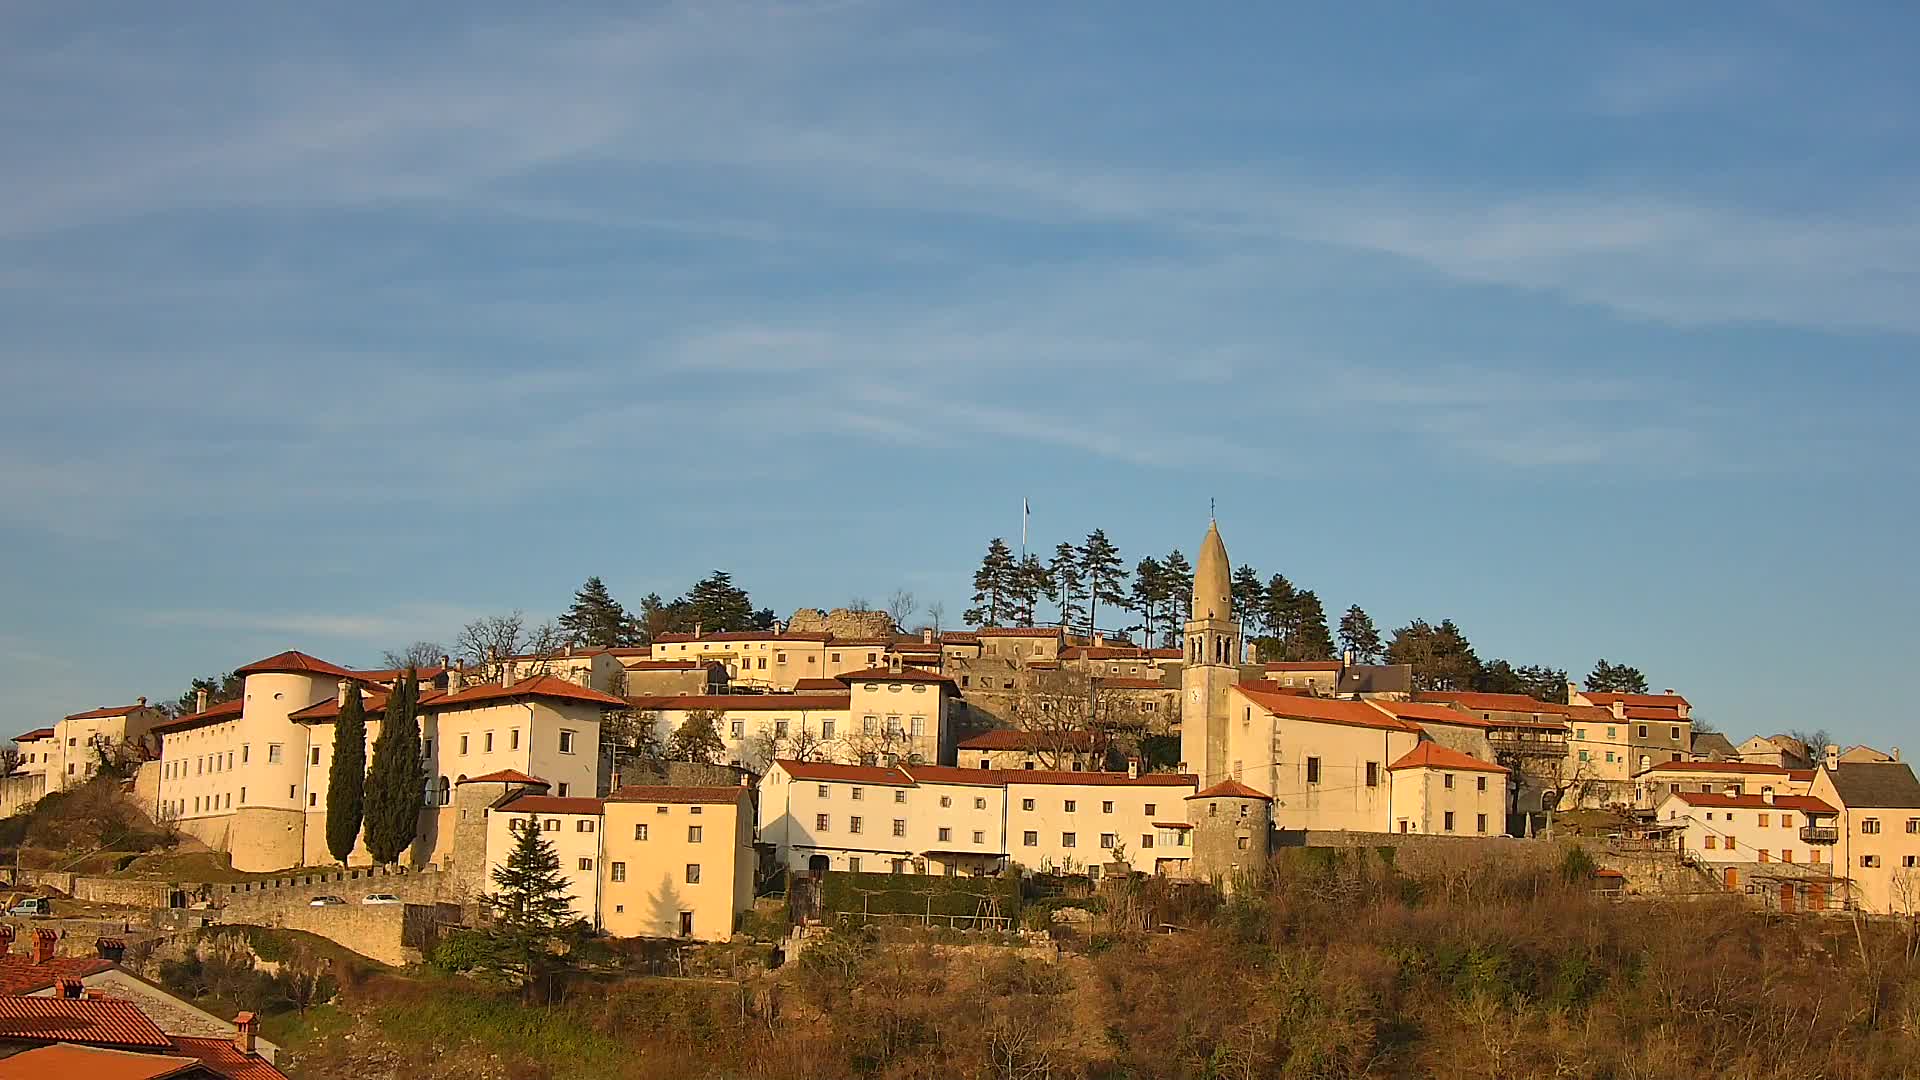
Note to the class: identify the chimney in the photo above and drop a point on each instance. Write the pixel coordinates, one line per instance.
(1668, 691)
(926, 636)
(696, 631)
(1099, 640)
(1346, 658)
(569, 650)
(140, 702)
(893, 662)
(1831, 754)
(1894, 753)
(746, 778)
(506, 673)
(340, 693)
(455, 678)
(111, 948)
(43, 942)
(1766, 795)
(1133, 768)
(67, 986)
(199, 701)
(1573, 691)
(244, 1026)
(1619, 709)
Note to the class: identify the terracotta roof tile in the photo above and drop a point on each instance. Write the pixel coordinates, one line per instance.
(19, 975)
(1429, 712)
(1231, 789)
(1018, 631)
(92, 1063)
(106, 712)
(550, 804)
(826, 770)
(35, 735)
(1806, 804)
(505, 776)
(1097, 779)
(1750, 767)
(1325, 710)
(905, 674)
(743, 702)
(294, 662)
(215, 714)
(1302, 665)
(222, 1057)
(818, 685)
(96, 1021)
(1670, 715)
(1519, 703)
(1658, 701)
(689, 664)
(708, 795)
(1431, 755)
(1010, 739)
(541, 686)
(740, 635)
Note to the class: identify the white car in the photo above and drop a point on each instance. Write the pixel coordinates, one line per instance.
(382, 898)
(326, 901)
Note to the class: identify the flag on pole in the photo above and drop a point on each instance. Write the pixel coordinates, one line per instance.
(1024, 512)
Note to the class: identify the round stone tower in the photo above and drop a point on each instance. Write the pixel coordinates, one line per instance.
(1232, 830)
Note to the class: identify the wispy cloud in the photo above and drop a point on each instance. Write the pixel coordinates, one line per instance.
(402, 624)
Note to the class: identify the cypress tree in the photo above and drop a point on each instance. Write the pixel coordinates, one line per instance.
(347, 777)
(394, 784)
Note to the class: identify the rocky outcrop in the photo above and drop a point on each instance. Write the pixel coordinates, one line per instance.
(841, 623)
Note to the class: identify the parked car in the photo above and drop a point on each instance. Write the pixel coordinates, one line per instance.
(32, 905)
(381, 898)
(326, 901)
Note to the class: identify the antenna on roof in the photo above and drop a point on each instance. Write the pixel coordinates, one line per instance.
(1210, 515)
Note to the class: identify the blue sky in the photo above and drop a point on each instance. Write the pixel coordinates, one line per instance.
(335, 327)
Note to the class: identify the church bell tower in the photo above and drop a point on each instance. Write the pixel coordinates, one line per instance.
(1212, 664)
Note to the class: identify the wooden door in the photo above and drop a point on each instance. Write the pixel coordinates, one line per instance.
(1816, 898)
(1733, 878)
(1787, 897)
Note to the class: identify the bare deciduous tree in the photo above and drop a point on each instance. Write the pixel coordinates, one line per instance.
(900, 608)
(419, 654)
(488, 640)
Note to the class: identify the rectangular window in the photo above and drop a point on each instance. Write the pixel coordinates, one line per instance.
(1030, 839)
(853, 824)
(1480, 822)
(1870, 826)
(859, 794)
(979, 804)
(780, 729)
(1446, 781)
(640, 831)
(820, 822)
(693, 878)
(314, 757)
(1106, 807)
(463, 745)
(245, 752)
(313, 798)
(1146, 840)
(826, 729)
(979, 837)
(1480, 783)
(738, 729)
(586, 863)
(1870, 862)
(1449, 824)
(562, 790)
(1643, 731)
(823, 791)
(899, 796)
(1764, 818)
(486, 743)
(869, 725)
(1107, 840)
(1071, 805)
(693, 834)
(899, 826)
(273, 753)
(853, 861)
(1313, 770)
(566, 742)
(1913, 825)
(1066, 839)
(946, 834)
(229, 759)
(618, 872)
(550, 825)
(919, 727)
(1150, 809)
(1373, 774)
(1583, 755)
(583, 825)
(1674, 734)
(946, 801)
(1026, 804)
(513, 739)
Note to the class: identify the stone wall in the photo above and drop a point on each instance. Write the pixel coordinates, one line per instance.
(19, 792)
(841, 623)
(375, 931)
(251, 900)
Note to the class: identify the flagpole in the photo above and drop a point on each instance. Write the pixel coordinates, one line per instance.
(1024, 511)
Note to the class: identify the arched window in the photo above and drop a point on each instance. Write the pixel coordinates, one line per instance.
(446, 791)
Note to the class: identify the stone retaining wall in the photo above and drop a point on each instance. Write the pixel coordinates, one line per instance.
(246, 901)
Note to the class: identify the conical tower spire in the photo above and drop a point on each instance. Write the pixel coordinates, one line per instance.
(1213, 578)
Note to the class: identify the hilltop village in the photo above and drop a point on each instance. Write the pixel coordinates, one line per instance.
(666, 788)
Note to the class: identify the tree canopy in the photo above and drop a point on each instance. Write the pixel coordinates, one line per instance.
(597, 620)
(1616, 679)
(395, 783)
(1358, 635)
(347, 776)
(1441, 656)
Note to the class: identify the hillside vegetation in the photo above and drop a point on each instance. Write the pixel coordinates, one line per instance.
(1331, 965)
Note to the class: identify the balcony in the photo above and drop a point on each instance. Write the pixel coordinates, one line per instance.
(1530, 742)
(1819, 834)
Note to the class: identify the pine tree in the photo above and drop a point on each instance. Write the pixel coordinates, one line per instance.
(530, 903)
(1616, 678)
(1311, 639)
(1179, 591)
(1149, 595)
(1063, 582)
(1279, 601)
(1104, 573)
(715, 603)
(1358, 635)
(347, 776)
(993, 586)
(1249, 601)
(1029, 583)
(1441, 657)
(394, 784)
(596, 619)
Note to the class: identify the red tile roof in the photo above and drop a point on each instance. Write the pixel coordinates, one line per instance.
(1428, 712)
(293, 662)
(688, 664)
(831, 686)
(387, 675)
(959, 637)
(1806, 804)
(92, 1063)
(225, 710)
(96, 1021)
(1325, 710)
(1671, 715)
(1010, 739)
(949, 774)
(106, 712)
(19, 975)
(1231, 789)
(709, 795)
(1096, 779)
(915, 646)
(743, 702)
(505, 776)
(905, 674)
(1302, 665)
(1018, 631)
(540, 686)
(1105, 652)
(1268, 686)
(1519, 703)
(1431, 755)
(222, 1057)
(34, 735)
(1658, 701)
(1753, 767)
(373, 701)
(740, 635)
(1131, 684)
(827, 770)
(551, 804)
